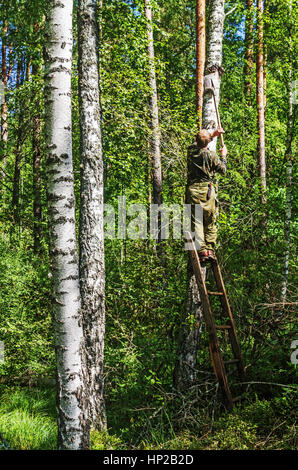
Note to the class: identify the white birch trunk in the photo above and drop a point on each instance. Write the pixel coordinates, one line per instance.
(260, 100)
(214, 65)
(185, 373)
(92, 267)
(61, 212)
(289, 176)
(4, 78)
(155, 136)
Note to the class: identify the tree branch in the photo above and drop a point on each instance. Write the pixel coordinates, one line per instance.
(230, 11)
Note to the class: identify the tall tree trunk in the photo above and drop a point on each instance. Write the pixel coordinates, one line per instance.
(28, 68)
(18, 152)
(155, 130)
(214, 64)
(260, 101)
(289, 171)
(68, 332)
(36, 144)
(4, 126)
(200, 58)
(249, 51)
(185, 372)
(288, 211)
(92, 265)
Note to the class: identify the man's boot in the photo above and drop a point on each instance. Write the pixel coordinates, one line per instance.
(203, 255)
(211, 255)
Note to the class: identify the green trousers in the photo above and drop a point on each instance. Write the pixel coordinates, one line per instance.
(204, 227)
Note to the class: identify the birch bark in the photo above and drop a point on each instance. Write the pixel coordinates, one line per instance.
(260, 101)
(92, 266)
(249, 50)
(4, 125)
(200, 58)
(153, 104)
(36, 164)
(214, 65)
(18, 152)
(289, 171)
(185, 373)
(288, 211)
(72, 424)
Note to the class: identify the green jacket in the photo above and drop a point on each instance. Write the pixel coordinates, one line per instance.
(202, 164)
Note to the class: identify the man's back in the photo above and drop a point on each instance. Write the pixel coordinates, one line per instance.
(203, 164)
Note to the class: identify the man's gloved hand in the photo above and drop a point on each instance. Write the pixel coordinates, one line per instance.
(223, 151)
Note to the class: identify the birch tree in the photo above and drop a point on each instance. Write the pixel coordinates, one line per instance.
(289, 160)
(200, 58)
(249, 50)
(153, 105)
(18, 150)
(260, 100)
(289, 176)
(5, 76)
(214, 64)
(185, 370)
(68, 333)
(92, 267)
(36, 166)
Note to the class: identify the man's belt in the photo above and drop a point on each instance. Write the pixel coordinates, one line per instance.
(205, 184)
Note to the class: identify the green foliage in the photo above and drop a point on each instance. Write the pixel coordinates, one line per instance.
(105, 441)
(27, 419)
(25, 320)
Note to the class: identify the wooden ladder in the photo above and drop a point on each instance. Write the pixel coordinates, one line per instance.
(215, 351)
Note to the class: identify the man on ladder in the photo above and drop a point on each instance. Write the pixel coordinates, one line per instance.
(203, 164)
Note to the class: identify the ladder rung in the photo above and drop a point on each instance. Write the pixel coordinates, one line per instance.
(222, 327)
(215, 293)
(231, 361)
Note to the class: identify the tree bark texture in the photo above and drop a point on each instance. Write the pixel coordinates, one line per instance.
(18, 153)
(36, 145)
(68, 332)
(214, 64)
(185, 373)
(260, 100)
(249, 51)
(92, 266)
(4, 125)
(288, 211)
(153, 104)
(289, 160)
(200, 58)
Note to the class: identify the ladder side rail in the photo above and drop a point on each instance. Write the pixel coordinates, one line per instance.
(216, 355)
(231, 331)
